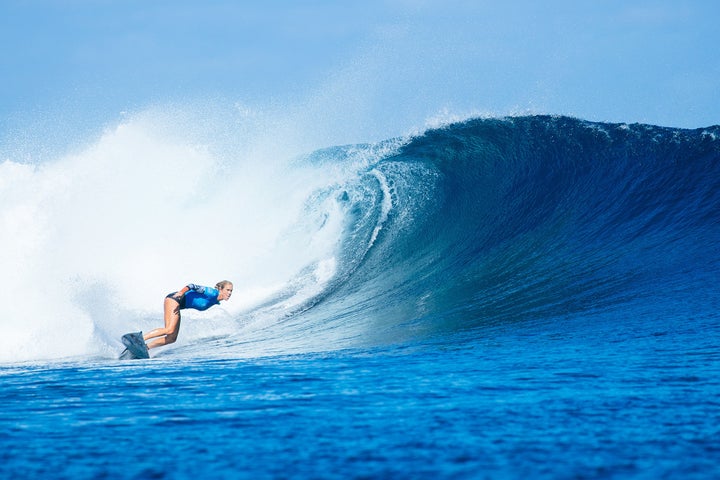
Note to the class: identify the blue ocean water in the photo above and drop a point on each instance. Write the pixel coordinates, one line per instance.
(526, 297)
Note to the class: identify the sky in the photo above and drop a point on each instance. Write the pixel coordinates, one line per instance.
(373, 69)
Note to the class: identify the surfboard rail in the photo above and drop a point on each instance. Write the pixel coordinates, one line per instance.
(135, 347)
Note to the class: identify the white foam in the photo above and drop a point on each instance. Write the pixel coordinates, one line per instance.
(386, 205)
(92, 241)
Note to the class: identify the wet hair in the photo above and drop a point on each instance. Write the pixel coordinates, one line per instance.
(223, 284)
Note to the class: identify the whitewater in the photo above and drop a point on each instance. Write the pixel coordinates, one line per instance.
(530, 296)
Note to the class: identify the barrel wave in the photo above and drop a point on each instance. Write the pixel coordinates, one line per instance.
(431, 237)
(523, 219)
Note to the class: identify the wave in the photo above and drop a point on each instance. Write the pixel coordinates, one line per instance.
(479, 223)
(490, 221)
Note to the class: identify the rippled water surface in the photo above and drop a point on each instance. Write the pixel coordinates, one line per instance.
(572, 399)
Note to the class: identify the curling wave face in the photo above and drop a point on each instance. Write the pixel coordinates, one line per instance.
(520, 219)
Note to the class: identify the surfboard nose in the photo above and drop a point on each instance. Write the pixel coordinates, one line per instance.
(136, 347)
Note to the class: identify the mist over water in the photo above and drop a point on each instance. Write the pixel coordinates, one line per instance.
(93, 239)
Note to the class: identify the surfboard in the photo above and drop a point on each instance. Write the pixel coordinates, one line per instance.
(136, 347)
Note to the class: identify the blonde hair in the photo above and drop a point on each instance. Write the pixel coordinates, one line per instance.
(223, 284)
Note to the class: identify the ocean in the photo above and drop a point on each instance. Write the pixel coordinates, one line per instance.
(517, 297)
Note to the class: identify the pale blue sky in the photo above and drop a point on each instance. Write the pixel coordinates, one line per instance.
(392, 63)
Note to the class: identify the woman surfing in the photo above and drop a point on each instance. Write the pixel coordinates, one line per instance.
(193, 296)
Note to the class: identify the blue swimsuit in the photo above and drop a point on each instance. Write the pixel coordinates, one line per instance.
(198, 298)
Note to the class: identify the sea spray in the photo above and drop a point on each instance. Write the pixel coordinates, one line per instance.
(93, 239)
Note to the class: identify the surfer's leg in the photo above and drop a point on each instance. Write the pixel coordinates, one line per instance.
(172, 325)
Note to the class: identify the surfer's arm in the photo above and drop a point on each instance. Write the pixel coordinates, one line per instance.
(188, 287)
(181, 293)
(197, 288)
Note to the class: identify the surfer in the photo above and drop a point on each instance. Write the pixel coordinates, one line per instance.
(190, 296)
